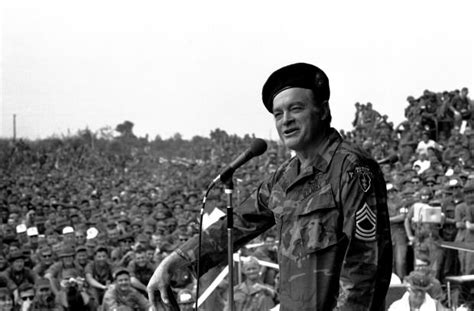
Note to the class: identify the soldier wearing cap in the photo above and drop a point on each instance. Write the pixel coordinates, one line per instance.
(17, 272)
(69, 237)
(73, 294)
(420, 286)
(397, 212)
(32, 233)
(99, 273)
(122, 255)
(328, 203)
(44, 298)
(55, 272)
(45, 255)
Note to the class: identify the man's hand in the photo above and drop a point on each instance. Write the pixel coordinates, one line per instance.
(159, 290)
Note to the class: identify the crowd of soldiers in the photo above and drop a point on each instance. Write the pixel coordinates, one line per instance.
(84, 229)
(428, 164)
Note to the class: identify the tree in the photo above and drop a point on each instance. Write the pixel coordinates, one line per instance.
(125, 129)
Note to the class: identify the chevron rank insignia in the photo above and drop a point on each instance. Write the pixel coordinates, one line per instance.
(366, 224)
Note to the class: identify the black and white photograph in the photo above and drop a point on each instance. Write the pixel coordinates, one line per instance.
(236, 156)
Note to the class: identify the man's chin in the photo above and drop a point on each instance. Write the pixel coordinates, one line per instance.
(290, 142)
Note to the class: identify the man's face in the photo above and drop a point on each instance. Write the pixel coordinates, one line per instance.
(149, 254)
(140, 259)
(18, 264)
(68, 261)
(156, 240)
(3, 261)
(81, 258)
(101, 257)
(251, 272)
(126, 244)
(80, 238)
(123, 282)
(27, 295)
(44, 293)
(425, 138)
(47, 258)
(33, 240)
(416, 297)
(386, 169)
(113, 235)
(69, 237)
(6, 303)
(297, 119)
(270, 244)
(51, 239)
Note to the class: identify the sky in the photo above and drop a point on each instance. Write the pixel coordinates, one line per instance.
(194, 66)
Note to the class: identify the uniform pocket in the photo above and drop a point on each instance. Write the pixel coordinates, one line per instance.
(317, 220)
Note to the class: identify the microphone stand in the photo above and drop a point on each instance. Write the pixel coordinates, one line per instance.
(228, 189)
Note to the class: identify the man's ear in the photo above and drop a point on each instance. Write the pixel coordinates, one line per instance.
(324, 106)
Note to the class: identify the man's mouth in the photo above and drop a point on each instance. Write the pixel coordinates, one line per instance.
(289, 132)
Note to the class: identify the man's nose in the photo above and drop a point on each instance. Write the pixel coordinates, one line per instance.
(287, 117)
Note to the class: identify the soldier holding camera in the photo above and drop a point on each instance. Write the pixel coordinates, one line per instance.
(422, 224)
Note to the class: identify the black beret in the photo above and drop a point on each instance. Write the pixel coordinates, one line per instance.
(296, 75)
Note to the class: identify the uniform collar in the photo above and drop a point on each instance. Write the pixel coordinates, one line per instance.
(320, 162)
(324, 154)
(326, 151)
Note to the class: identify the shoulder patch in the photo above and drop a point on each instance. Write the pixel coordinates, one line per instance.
(366, 224)
(364, 175)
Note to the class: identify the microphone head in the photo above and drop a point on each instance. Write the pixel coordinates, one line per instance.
(258, 147)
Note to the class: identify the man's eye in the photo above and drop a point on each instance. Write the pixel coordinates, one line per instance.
(277, 115)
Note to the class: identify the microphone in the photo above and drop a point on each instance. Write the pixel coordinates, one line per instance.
(258, 147)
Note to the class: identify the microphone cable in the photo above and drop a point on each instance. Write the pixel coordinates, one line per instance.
(201, 216)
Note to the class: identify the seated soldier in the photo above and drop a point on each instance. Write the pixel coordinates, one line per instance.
(81, 259)
(44, 298)
(140, 270)
(17, 273)
(45, 255)
(66, 261)
(122, 294)
(72, 294)
(251, 295)
(421, 286)
(99, 273)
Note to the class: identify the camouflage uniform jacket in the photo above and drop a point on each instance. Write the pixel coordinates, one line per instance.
(335, 248)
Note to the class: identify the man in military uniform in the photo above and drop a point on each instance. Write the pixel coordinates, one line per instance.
(251, 294)
(424, 233)
(397, 212)
(328, 203)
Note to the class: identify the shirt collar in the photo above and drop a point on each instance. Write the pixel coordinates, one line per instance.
(326, 151)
